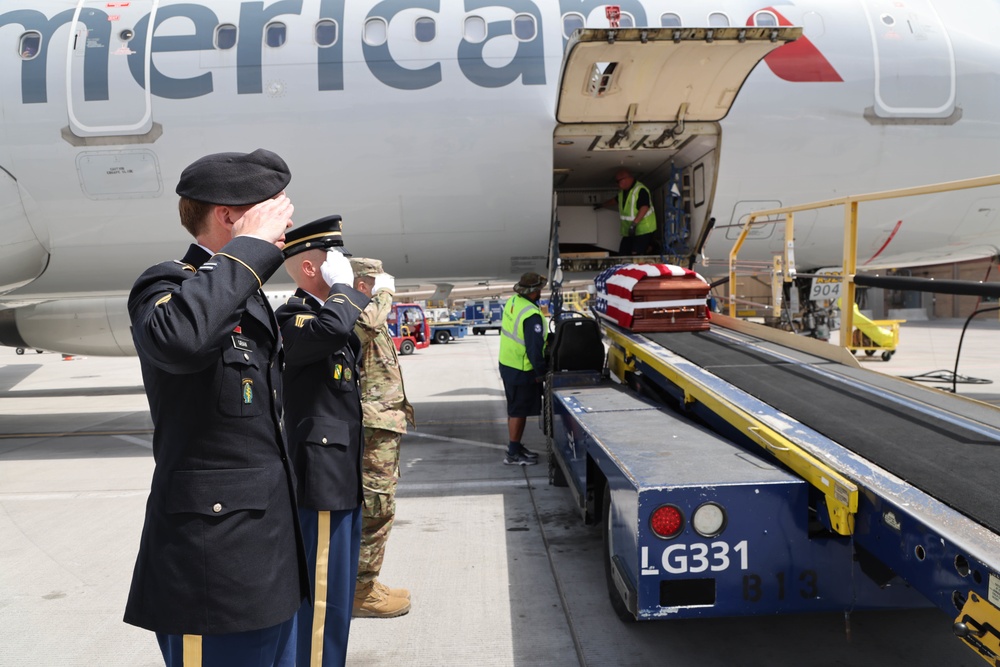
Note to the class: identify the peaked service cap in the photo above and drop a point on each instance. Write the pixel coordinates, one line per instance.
(234, 179)
(530, 282)
(365, 266)
(316, 235)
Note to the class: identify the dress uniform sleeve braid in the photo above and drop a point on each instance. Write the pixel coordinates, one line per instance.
(182, 333)
(347, 298)
(309, 339)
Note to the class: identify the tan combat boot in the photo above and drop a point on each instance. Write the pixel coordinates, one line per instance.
(394, 592)
(371, 602)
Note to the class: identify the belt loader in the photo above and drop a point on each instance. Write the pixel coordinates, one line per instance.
(744, 471)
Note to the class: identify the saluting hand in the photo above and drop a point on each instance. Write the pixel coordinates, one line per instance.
(267, 220)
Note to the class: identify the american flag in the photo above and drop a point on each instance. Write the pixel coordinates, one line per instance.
(614, 290)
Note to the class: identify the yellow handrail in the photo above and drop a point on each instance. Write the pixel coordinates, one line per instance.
(850, 249)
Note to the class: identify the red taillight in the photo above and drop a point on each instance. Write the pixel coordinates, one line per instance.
(667, 521)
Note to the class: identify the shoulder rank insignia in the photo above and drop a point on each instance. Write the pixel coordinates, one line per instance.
(185, 266)
(247, 391)
(300, 320)
(163, 299)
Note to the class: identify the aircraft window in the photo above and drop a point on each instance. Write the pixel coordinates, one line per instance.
(626, 20)
(424, 29)
(326, 32)
(670, 21)
(475, 29)
(275, 34)
(29, 45)
(718, 20)
(376, 32)
(571, 23)
(765, 19)
(225, 36)
(524, 27)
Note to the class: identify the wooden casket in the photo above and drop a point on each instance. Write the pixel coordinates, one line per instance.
(653, 298)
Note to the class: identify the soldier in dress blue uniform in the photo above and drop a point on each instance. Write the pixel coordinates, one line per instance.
(323, 417)
(221, 569)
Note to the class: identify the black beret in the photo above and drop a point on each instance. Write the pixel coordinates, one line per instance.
(234, 179)
(318, 234)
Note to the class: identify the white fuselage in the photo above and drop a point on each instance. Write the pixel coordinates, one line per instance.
(439, 154)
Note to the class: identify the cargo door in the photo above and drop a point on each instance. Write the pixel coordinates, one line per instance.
(649, 99)
(650, 75)
(108, 87)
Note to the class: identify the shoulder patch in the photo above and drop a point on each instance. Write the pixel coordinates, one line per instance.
(538, 328)
(300, 320)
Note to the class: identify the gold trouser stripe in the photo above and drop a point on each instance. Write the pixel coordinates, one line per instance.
(321, 576)
(192, 650)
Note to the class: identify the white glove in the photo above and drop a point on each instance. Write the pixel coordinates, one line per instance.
(337, 269)
(384, 281)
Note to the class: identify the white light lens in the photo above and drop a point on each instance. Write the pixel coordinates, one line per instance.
(709, 520)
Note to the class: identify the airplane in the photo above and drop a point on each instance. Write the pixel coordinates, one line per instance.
(470, 139)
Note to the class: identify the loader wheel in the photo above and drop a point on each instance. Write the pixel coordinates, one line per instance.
(406, 347)
(887, 355)
(617, 603)
(869, 353)
(442, 337)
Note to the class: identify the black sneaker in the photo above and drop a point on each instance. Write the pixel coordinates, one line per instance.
(528, 454)
(518, 459)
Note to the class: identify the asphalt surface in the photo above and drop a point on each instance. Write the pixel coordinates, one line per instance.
(501, 569)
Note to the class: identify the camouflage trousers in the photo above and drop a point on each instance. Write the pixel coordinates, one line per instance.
(379, 475)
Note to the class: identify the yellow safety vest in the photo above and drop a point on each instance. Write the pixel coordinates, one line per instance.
(513, 351)
(627, 209)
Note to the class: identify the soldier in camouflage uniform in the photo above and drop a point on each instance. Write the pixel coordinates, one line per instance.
(386, 413)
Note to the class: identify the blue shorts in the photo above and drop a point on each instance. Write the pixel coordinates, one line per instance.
(523, 400)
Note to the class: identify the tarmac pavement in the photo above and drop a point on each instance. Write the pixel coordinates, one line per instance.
(501, 569)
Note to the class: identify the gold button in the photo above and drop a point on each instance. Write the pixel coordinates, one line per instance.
(324, 441)
(217, 507)
(246, 356)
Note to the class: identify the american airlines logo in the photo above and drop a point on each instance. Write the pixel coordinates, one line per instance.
(191, 28)
(507, 47)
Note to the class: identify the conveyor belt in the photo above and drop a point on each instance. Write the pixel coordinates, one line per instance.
(956, 465)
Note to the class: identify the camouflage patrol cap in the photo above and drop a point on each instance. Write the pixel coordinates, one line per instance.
(365, 266)
(530, 282)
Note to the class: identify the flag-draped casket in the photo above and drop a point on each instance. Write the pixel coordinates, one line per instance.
(653, 297)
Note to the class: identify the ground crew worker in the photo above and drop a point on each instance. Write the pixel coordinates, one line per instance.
(522, 363)
(386, 413)
(635, 209)
(221, 568)
(323, 417)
